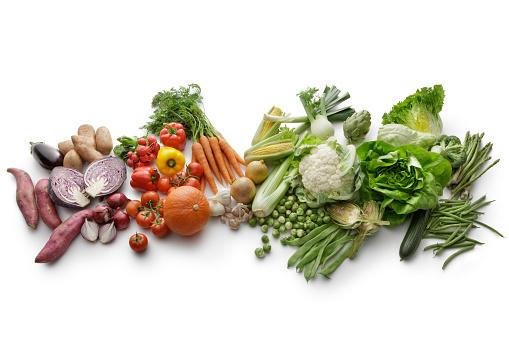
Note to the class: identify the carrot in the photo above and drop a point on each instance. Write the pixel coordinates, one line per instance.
(230, 154)
(202, 160)
(203, 184)
(204, 141)
(228, 167)
(218, 154)
(237, 156)
(193, 156)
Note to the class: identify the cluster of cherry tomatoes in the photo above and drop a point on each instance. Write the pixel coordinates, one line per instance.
(149, 213)
(190, 176)
(145, 153)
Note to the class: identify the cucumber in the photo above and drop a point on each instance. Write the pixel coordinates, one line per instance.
(414, 233)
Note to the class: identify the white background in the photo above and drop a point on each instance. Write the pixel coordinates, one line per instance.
(63, 64)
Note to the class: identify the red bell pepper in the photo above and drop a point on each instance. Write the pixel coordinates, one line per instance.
(144, 178)
(173, 135)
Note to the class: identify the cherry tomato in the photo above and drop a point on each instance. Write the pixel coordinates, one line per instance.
(132, 208)
(178, 179)
(149, 196)
(138, 242)
(159, 228)
(195, 169)
(160, 210)
(145, 218)
(193, 182)
(163, 184)
(172, 188)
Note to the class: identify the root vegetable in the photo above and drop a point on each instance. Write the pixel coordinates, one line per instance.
(117, 200)
(62, 236)
(243, 190)
(46, 206)
(73, 160)
(103, 140)
(25, 196)
(84, 149)
(88, 132)
(65, 146)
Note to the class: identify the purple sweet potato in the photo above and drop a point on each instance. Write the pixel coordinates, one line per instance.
(25, 196)
(62, 236)
(46, 206)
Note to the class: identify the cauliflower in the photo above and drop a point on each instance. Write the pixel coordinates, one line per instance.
(321, 170)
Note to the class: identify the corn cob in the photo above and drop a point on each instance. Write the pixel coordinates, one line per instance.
(267, 128)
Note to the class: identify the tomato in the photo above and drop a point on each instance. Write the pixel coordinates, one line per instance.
(195, 169)
(193, 182)
(145, 218)
(160, 210)
(178, 179)
(159, 228)
(149, 196)
(132, 208)
(138, 242)
(163, 184)
(172, 188)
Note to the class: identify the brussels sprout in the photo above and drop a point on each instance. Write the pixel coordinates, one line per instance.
(266, 248)
(301, 233)
(282, 229)
(253, 222)
(288, 225)
(259, 252)
(292, 216)
(265, 228)
(281, 210)
(275, 214)
(261, 221)
(326, 219)
(265, 239)
(275, 233)
(270, 221)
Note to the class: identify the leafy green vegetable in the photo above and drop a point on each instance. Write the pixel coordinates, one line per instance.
(183, 106)
(419, 111)
(450, 148)
(405, 179)
(399, 135)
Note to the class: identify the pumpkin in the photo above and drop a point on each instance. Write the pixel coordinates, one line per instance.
(186, 210)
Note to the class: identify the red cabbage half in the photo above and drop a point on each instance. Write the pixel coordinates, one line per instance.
(66, 187)
(104, 176)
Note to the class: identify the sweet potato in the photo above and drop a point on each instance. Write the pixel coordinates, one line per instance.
(45, 205)
(88, 132)
(103, 140)
(73, 160)
(25, 196)
(86, 152)
(65, 146)
(62, 236)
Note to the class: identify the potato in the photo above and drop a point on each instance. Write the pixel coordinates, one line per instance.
(73, 160)
(45, 205)
(65, 146)
(88, 132)
(25, 196)
(103, 140)
(86, 152)
(62, 236)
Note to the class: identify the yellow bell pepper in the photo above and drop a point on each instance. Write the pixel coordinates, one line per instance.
(169, 161)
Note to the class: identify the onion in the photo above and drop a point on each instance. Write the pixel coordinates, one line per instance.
(107, 233)
(90, 230)
(104, 176)
(66, 187)
(257, 171)
(117, 200)
(102, 213)
(121, 219)
(243, 190)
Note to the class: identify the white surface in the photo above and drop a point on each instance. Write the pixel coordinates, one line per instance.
(64, 64)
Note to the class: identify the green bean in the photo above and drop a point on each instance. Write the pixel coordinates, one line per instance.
(335, 247)
(463, 244)
(454, 239)
(447, 226)
(308, 270)
(455, 254)
(337, 261)
(309, 256)
(309, 236)
(489, 227)
(305, 247)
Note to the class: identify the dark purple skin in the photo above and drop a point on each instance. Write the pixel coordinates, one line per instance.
(47, 156)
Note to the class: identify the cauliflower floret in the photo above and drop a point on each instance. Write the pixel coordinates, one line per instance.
(320, 170)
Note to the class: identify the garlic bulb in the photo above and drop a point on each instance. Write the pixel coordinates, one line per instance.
(216, 208)
(223, 196)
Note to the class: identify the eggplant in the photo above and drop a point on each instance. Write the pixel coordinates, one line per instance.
(47, 156)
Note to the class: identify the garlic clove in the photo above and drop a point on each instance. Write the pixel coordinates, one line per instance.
(107, 233)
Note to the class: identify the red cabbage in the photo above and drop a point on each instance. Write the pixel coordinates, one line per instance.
(66, 187)
(104, 176)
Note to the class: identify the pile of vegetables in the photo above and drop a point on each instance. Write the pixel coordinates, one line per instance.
(299, 184)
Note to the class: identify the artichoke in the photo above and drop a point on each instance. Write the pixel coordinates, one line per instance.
(357, 126)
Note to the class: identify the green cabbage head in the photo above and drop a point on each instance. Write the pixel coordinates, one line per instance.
(406, 178)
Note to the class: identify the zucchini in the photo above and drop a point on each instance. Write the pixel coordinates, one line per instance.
(414, 233)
